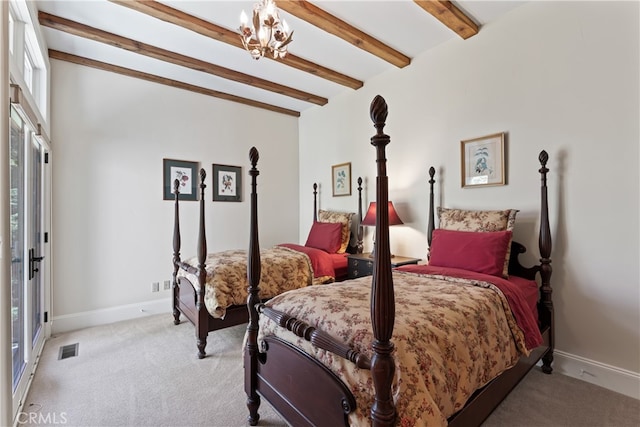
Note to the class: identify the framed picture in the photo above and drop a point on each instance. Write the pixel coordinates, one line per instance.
(482, 161)
(227, 183)
(187, 175)
(341, 179)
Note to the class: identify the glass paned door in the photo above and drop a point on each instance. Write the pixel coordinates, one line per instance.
(17, 245)
(34, 237)
(27, 284)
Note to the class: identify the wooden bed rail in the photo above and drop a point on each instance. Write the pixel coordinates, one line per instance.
(318, 338)
(188, 268)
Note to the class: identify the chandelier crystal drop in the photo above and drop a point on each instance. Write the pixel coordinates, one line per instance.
(267, 34)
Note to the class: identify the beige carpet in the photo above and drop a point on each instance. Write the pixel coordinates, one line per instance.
(145, 373)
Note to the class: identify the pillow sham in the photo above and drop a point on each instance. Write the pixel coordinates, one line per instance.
(326, 236)
(343, 218)
(485, 221)
(482, 252)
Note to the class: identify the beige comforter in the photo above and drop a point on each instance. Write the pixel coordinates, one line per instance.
(283, 269)
(451, 336)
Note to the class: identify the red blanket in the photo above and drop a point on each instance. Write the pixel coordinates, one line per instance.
(524, 316)
(320, 260)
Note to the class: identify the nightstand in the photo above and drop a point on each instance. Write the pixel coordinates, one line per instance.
(359, 265)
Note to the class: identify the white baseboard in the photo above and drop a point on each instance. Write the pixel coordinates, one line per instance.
(603, 375)
(86, 319)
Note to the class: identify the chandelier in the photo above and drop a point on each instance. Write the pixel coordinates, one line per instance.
(272, 35)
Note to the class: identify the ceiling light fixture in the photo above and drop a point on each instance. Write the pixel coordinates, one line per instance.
(273, 36)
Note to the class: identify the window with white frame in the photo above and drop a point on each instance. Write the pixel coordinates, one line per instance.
(28, 64)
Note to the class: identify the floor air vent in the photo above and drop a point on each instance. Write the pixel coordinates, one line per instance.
(67, 351)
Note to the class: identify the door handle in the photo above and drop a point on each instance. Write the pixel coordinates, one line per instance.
(33, 259)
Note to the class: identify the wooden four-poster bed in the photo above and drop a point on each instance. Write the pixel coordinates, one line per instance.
(211, 289)
(330, 355)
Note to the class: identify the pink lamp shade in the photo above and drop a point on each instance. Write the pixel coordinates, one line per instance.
(370, 218)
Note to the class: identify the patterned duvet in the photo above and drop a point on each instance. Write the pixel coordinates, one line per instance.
(283, 269)
(451, 337)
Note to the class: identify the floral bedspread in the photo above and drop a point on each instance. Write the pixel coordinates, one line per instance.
(283, 269)
(451, 337)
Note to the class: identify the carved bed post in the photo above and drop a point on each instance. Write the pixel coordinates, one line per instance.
(176, 253)
(383, 412)
(544, 243)
(253, 276)
(360, 236)
(431, 224)
(202, 326)
(315, 202)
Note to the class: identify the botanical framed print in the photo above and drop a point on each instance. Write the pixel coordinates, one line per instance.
(482, 161)
(341, 179)
(187, 175)
(227, 183)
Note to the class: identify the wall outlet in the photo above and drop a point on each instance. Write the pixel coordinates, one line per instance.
(155, 287)
(167, 285)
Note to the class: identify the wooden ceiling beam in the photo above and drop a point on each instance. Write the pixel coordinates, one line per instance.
(447, 13)
(339, 28)
(81, 30)
(208, 29)
(62, 56)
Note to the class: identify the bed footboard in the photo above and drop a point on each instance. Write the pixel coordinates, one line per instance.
(291, 380)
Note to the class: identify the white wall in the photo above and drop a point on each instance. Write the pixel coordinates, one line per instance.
(559, 76)
(112, 231)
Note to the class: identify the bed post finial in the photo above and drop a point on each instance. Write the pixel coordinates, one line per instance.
(544, 244)
(431, 219)
(378, 112)
(253, 277)
(254, 155)
(543, 158)
(383, 412)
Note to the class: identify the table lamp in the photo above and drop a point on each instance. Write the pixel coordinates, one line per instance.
(370, 220)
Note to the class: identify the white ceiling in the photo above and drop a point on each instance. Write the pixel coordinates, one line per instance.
(400, 24)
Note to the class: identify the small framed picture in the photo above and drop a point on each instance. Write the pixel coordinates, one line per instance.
(341, 179)
(187, 175)
(482, 161)
(227, 183)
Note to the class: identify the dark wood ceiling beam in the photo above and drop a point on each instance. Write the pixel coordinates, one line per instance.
(331, 24)
(447, 13)
(62, 56)
(81, 30)
(208, 29)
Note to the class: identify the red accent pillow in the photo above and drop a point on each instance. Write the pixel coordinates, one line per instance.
(326, 236)
(482, 252)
